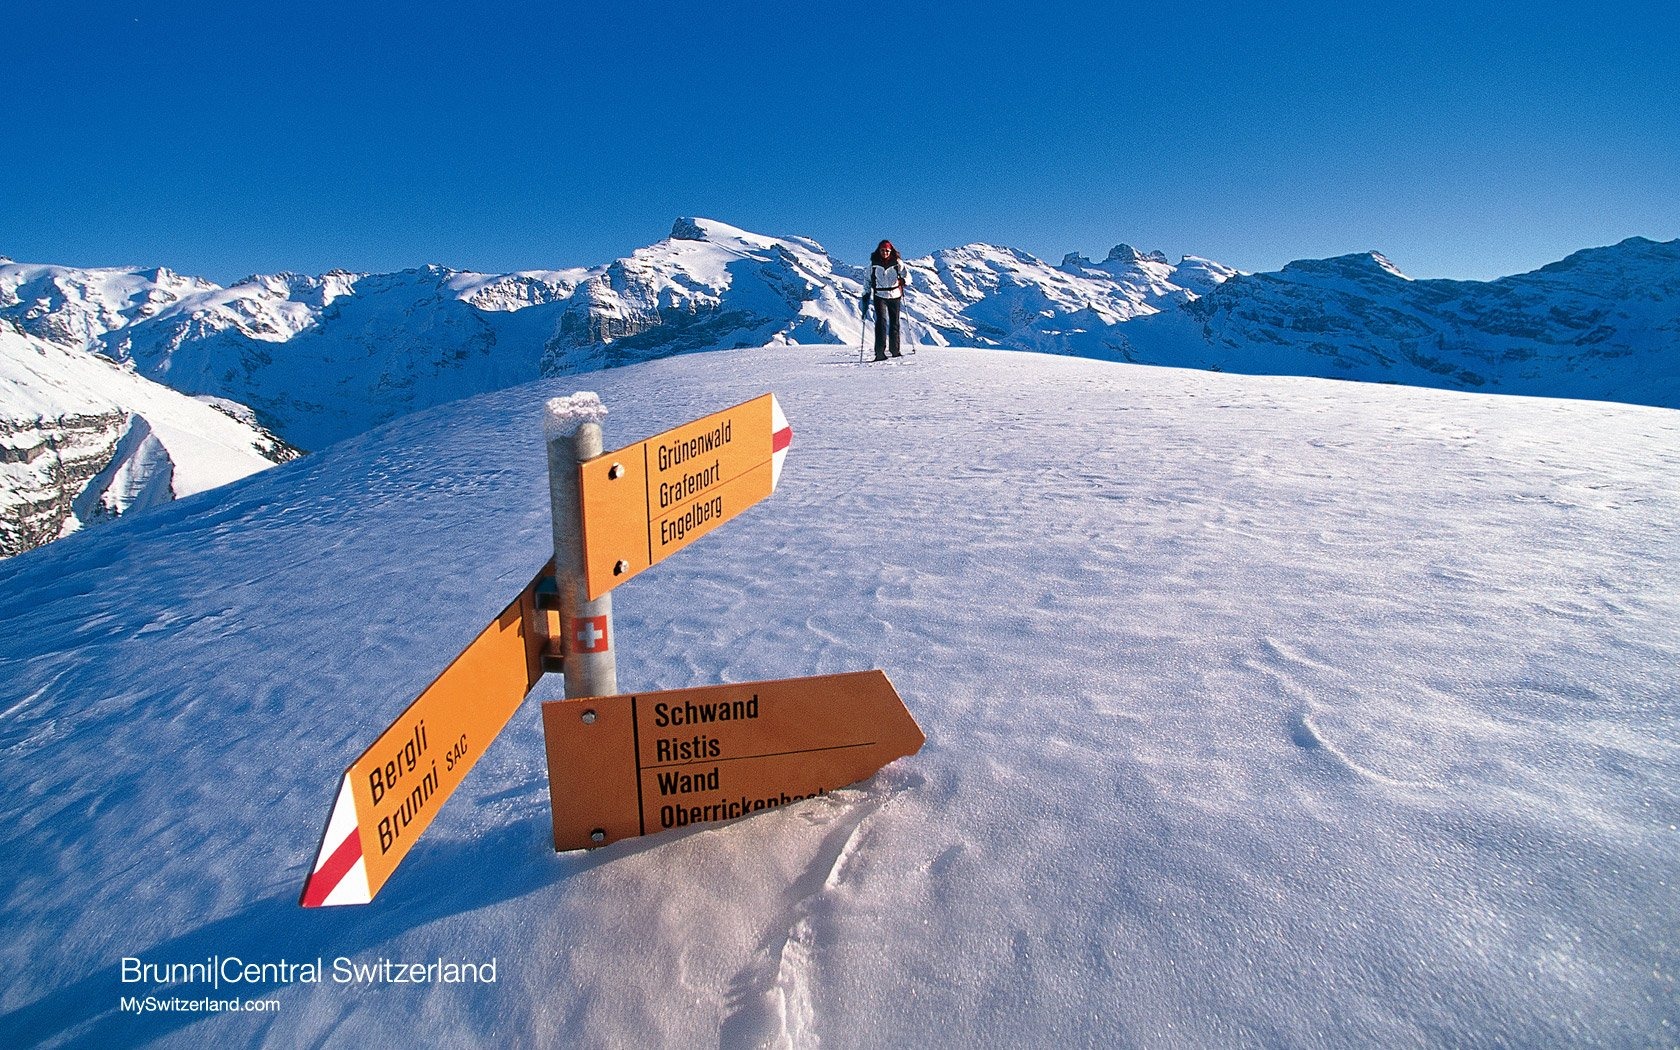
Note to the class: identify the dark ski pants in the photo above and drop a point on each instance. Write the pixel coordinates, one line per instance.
(886, 327)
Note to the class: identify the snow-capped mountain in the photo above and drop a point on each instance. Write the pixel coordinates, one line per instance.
(84, 440)
(1603, 324)
(321, 358)
(317, 358)
(982, 294)
(79, 307)
(712, 286)
(707, 286)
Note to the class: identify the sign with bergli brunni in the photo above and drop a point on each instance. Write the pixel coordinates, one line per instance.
(635, 764)
(391, 793)
(646, 501)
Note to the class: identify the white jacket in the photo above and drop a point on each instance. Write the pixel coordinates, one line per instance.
(884, 281)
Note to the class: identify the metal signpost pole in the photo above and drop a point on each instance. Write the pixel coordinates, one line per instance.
(573, 429)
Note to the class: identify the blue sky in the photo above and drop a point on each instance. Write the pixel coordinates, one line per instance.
(1462, 140)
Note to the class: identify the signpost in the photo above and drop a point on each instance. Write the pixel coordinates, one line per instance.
(391, 793)
(622, 766)
(619, 765)
(646, 501)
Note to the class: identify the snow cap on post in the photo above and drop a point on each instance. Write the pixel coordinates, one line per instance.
(563, 415)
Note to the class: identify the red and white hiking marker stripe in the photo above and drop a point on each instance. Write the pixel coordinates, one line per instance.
(340, 873)
(781, 436)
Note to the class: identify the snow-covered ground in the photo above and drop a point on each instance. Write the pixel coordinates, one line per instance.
(1260, 711)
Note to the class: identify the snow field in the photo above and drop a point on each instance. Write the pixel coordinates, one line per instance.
(1259, 711)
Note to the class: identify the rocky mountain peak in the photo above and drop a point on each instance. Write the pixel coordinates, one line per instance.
(1356, 265)
(687, 230)
(1128, 255)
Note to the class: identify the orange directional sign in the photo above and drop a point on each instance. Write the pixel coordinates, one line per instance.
(649, 500)
(391, 793)
(621, 766)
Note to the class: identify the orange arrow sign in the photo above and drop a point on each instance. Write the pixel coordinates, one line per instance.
(646, 501)
(391, 793)
(620, 766)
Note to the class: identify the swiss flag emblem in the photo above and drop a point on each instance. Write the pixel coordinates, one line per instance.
(589, 634)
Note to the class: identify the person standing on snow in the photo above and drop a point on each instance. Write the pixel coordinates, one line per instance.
(887, 276)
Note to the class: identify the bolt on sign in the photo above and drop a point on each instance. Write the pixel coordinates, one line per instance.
(622, 766)
(649, 500)
(391, 793)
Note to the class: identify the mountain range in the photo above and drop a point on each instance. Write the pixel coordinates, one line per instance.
(305, 361)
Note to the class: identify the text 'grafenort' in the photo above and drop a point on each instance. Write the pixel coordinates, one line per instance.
(689, 485)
